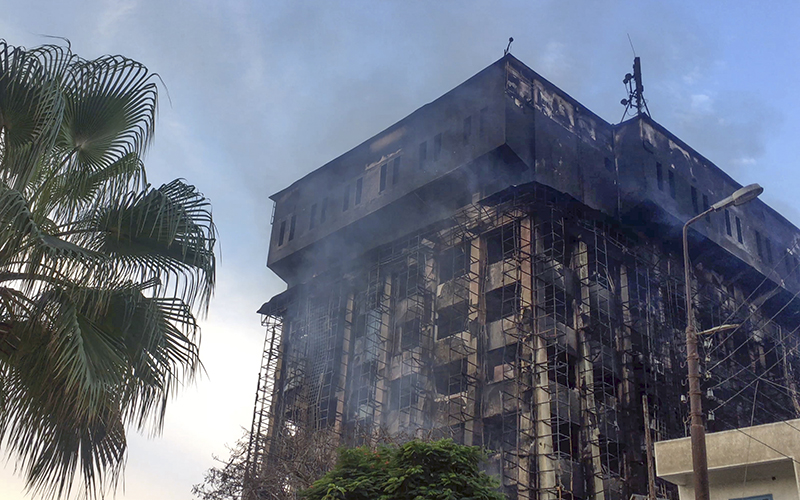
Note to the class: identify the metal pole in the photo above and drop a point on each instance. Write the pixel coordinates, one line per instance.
(648, 442)
(698, 431)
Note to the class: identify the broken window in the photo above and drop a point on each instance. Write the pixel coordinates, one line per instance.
(404, 392)
(281, 233)
(410, 334)
(672, 190)
(346, 198)
(312, 220)
(660, 176)
(451, 378)
(359, 189)
(501, 363)
(453, 263)
(608, 164)
(695, 204)
(739, 230)
(363, 390)
(467, 127)
(396, 171)
(501, 243)
(407, 281)
(437, 147)
(292, 226)
(452, 320)
(566, 438)
(502, 302)
(562, 367)
(384, 173)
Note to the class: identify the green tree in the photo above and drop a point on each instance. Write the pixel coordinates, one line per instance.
(101, 275)
(418, 470)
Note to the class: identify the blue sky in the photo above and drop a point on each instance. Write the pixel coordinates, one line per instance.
(259, 94)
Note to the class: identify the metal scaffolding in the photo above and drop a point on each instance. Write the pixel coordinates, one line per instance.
(526, 324)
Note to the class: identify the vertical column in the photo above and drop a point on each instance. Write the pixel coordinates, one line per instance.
(543, 412)
(473, 251)
(341, 391)
(526, 418)
(589, 426)
(381, 390)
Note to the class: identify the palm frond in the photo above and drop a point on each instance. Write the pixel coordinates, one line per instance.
(31, 107)
(166, 233)
(99, 272)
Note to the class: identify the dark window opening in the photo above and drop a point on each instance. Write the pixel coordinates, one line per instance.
(758, 245)
(467, 127)
(739, 230)
(281, 233)
(609, 164)
(410, 334)
(363, 392)
(405, 393)
(396, 171)
(501, 243)
(384, 173)
(728, 223)
(501, 362)
(437, 147)
(292, 226)
(500, 433)
(452, 320)
(453, 263)
(423, 153)
(482, 121)
(346, 198)
(660, 176)
(562, 369)
(502, 302)
(324, 212)
(566, 438)
(407, 282)
(695, 204)
(672, 191)
(359, 189)
(768, 249)
(706, 207)
(451, 378)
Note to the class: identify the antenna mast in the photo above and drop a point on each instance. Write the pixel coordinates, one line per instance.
(633, 83)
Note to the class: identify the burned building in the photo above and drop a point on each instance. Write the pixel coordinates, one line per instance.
(504, 267)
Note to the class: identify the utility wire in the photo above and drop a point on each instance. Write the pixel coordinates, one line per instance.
(784, 455)
(747, 300)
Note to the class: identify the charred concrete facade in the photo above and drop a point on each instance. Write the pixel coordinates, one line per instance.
(503, 267)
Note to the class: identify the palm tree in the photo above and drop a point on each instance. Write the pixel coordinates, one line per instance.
(101, 275)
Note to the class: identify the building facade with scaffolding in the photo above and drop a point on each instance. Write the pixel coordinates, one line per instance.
(503, 267)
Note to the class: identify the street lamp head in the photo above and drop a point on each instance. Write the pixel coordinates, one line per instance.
(739, 197)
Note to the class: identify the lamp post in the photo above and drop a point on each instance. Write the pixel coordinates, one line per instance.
(698, 431)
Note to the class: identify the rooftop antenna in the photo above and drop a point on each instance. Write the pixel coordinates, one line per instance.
(510, 39)
(633, 83)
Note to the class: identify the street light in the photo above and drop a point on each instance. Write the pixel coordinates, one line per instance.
(698, 431)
